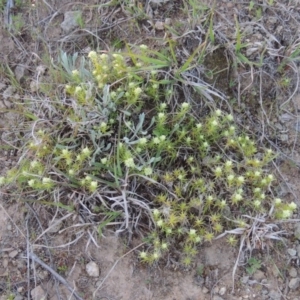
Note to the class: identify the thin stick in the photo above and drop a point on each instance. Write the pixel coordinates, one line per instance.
(33, 257)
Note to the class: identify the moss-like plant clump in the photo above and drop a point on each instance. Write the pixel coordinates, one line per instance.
(119, 142)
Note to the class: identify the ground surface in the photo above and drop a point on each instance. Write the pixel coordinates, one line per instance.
(64, 241)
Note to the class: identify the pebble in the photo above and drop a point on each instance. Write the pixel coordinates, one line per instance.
(13, 254)
(20, 72)
(259, 275)
(70, 21)
(216, 297)
(168, 21)
(5, 263)
(205, 290)
(222, 291)
(294, 283)
(284, 137)
(9, 227)
(297, 231)
(159, 25)
(298, 250)
(92, 269)
(245, 279)
(293, 272)
(8, 92)
(292, 252)
(54, 226)
(18, 297)
(274, 295)
(38, 293)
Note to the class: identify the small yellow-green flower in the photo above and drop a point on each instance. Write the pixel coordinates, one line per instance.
(286, 214)
(129, 162)
(143, 47)
(93, 186)
(160, 223)
(75, 72)
(257, 203)
(137, 91)
(104, 160)
(277, 201)
(31, 182)
(148, 171)
(185, 105)
(86, 151)
(192, 232)
(229, 117)
(92, 55)
(293, 205)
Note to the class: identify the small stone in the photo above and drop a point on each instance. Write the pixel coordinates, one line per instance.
(297, 231)
(20, 289)
(2, 86)
(222, 291)
(205, 290)
(18, 297)
(274, 295)
(159, 25)
(8, 92)
(284, 137)
(34, 86)
(41, 69)
(70, 21)
(245, 279)
(38, 293)
(248, 30)
(252, 50)
(216, 297)
(292, 252)
(259, 275)
(92, 269)
(293, 272)
(298, 250)
(168, 21)
(54, 226)
(272, 20)
(13, 254)
(5, 263)
(294, 283)
(20, 72)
